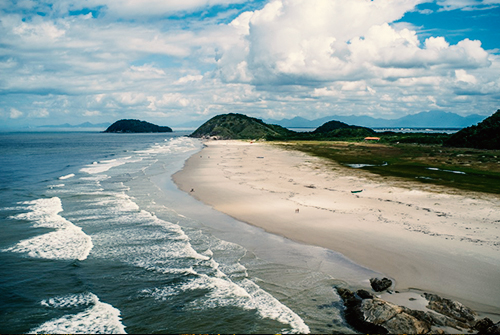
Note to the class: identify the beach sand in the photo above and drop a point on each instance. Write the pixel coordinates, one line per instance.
(422, 236)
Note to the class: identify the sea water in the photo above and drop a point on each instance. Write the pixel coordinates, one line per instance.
(95, 238)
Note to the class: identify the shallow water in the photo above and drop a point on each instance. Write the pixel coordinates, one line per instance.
(97, 239)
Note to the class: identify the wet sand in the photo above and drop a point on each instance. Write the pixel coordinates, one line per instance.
(430, 238)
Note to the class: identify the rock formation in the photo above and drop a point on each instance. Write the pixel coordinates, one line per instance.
(369, 314)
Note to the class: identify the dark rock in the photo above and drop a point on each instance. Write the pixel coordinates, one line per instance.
(369, 314)
(374, 315)
(392, 317)
(380, 285)
(486, 326)
(363, 294)
(436, 319)
(353, 314)
(453, 309)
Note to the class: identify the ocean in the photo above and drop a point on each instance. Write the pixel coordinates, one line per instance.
(96, 238)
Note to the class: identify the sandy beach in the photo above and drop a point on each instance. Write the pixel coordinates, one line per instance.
(425, 237)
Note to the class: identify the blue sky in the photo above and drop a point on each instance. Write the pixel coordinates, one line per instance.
(175, 61)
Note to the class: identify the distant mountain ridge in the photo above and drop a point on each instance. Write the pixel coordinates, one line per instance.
(431, 119)
(81, 125)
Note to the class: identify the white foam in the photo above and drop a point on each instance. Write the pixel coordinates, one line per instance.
(67, 242)
(64, 244)
(246, 294)
(71, 300)
(43, 213)
(99, 318)
(173, 145)
(120, 203)
(161, 293)
(269, 307)
(172, 257)
(105, 165)
(71, 175)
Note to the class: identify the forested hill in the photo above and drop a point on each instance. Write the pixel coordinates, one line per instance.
(136, 126)
(239, 126)
(484, 135)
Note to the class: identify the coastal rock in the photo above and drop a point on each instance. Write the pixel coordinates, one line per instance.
(392, 317)
(486, 326)
(436, 319)
(380, 285)
(354, 315)
(363, 294)
(369, 314)
(450, 308)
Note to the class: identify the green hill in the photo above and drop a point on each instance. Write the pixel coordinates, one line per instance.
(485, 135)
(337, 129)
(136, 126)
(239, 126)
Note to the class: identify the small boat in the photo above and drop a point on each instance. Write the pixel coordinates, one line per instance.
(358, 191)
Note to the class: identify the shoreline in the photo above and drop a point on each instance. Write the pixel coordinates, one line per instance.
(443, 243)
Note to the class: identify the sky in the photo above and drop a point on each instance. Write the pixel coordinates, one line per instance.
(174, 61)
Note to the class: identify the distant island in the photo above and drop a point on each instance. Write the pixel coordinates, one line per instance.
(136, 126)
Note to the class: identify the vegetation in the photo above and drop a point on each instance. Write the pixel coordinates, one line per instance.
(466, 169)
(136, 126)
(335, 126)
(239, 126)
(390, 137)
(485, 135)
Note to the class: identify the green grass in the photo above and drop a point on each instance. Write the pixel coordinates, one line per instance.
(480, 168)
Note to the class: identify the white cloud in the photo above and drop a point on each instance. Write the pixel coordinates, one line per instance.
(464, 77)
(298, 41)
(137, 8)
(39, 113)
(290, 57)
(467, 4)
(92, 113)
(15, 114)
(188, 78)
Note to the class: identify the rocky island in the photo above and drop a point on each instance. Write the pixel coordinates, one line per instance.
(136, 126)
